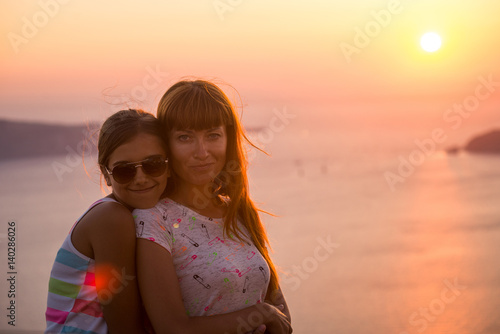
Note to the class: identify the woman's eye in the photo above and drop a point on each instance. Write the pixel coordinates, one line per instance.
(214, 135)
(183, 137)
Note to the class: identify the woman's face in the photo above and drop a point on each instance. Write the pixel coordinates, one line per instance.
(144, 190)
(197, 157)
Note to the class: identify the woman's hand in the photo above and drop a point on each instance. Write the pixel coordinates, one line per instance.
(162, 299)
(259, 330)
(275, 320)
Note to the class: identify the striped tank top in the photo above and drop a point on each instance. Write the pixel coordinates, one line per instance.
(72, 303)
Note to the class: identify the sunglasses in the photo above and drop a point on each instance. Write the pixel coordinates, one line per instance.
(125, 172)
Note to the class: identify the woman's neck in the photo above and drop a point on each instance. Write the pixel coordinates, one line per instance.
(200, 200)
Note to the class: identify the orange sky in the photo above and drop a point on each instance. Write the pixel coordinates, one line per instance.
(82, 55)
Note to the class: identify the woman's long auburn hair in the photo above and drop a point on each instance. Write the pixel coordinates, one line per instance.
(200, 105)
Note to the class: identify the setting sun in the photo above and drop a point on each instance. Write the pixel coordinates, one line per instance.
(430, 42)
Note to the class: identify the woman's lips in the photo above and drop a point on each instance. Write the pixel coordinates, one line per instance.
(202, 167)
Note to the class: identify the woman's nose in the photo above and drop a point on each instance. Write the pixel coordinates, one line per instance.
(201, 149)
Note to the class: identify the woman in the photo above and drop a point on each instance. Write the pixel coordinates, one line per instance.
(92, 286)
(202, 250)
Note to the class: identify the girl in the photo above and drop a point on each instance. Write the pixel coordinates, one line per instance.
(202, 250)
(92, 286)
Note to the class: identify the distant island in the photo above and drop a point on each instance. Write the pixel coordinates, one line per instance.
(23, 139)
(485, 143)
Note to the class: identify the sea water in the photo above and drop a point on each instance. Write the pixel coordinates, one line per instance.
(355, 254)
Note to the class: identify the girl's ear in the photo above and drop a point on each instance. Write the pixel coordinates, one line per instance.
(106, 176)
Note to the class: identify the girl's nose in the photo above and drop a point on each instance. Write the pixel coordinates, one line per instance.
(140, 176)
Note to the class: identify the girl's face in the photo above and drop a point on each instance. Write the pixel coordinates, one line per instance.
(143, 191)
(198, 157)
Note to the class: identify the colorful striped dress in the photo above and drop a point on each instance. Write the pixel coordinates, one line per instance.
(72, 303)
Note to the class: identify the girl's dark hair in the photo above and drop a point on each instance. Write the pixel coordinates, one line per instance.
(123, 126)
(200, 105)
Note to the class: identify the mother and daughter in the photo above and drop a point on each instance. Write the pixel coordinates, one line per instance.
(191, 252)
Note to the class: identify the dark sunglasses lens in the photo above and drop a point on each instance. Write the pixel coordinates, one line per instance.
(124, 173)
(154, 166)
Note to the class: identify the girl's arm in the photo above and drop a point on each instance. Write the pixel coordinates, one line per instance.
(162, 298)
(112, 238)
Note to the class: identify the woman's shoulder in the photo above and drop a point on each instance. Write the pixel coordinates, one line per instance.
(162, 206)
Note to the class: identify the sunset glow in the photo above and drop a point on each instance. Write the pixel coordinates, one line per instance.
(430, 42)
(67, 62)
